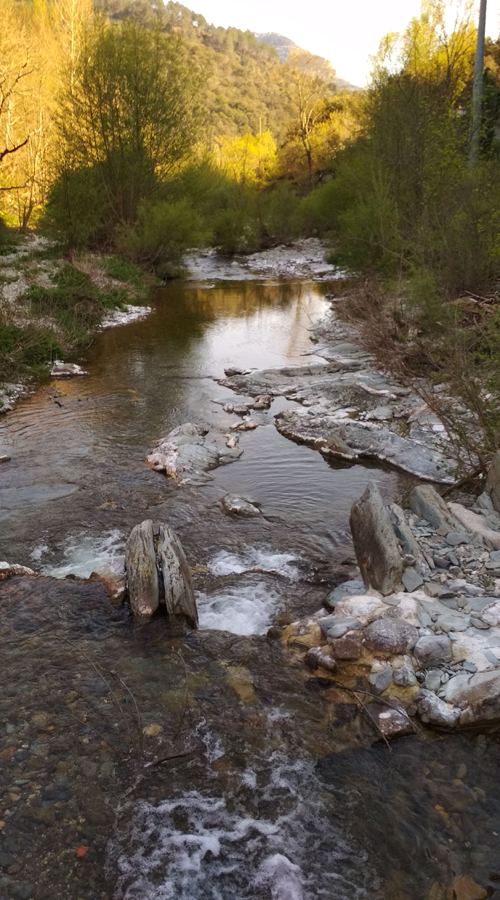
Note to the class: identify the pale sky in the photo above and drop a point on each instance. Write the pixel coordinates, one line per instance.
(347, 32)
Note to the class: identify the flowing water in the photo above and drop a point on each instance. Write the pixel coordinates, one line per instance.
(136, 766)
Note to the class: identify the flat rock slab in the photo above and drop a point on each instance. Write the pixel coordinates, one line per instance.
(190, 451)
(351, 440)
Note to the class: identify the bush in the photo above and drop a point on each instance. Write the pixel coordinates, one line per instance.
(165, 230)
(24, 349)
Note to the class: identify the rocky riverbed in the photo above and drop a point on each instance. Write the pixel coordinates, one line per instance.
(130, 755)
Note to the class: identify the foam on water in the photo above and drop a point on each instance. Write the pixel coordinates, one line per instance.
(274, 841)
(84, 554)
(239, 609)
(255, 559)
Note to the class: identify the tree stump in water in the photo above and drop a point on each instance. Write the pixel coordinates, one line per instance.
(158, 575)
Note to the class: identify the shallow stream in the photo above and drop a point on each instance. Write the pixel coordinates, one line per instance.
(139, 767)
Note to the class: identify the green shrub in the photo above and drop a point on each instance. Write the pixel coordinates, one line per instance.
(165, 230)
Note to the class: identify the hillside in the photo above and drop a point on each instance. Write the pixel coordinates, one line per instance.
(245, 76)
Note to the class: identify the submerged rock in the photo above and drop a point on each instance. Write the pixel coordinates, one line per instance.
(8, 570)
(158, 574)
(190, 451)
(375, 543)
(240, 506)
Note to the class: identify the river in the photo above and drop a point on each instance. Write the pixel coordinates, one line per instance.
(141, 767)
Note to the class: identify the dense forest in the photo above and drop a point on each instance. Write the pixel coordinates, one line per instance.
(139, 129)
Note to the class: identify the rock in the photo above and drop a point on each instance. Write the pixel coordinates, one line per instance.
(232, 441)
(234, 370)
(375, 542)
(411, 579)
(432, 650)
(476, 524)
(429, 505)
(190, 451)
(8, 570)
(142, 573)
(336, 626)
(317, 658)
(176, 589)
(478, 695)
(455, 538)
(391, 722)
(404, 676)
(433, 680)
(343, 437)
(158, 573)
(246, 425)
(346, 589)
(380, 679)
(390, 636)
(262, 402)
(484, 502)
(434, 711)
(450, 621)
(4, 457)
(239, 506)
(493, 481)
(61, 369)
(406, 537)
(348, 647)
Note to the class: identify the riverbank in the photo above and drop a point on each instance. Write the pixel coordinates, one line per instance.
(52, 304)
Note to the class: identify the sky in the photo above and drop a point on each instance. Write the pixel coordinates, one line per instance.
(347, 32)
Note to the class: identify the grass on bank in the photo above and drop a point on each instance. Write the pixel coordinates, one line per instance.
(62, 319)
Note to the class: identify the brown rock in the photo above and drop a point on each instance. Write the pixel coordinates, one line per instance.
(348, 647)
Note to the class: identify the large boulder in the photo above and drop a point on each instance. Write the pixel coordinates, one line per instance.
(375, 543)
(493, 481)
(178, 594)
(429, 505)
(142, 572)
(158, 574)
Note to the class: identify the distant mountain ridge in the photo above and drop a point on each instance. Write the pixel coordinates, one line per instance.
(284, 45)
(244, 79)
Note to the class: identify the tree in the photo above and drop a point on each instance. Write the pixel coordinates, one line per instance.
(130, 113)
(310, 85)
